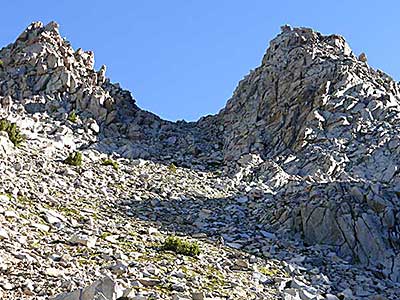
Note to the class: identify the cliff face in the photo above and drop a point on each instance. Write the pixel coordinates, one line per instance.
(308, 147)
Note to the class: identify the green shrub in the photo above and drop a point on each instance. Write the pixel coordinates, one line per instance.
(72, 116)
(13, 132)
(173, 243)
(172, 168)
(1, 63)
(110, 162)
(74, 159)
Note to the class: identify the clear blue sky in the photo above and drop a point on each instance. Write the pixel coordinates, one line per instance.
(183, 58)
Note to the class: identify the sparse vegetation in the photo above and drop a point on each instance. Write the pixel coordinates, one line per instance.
(35, 245)
(215, 278)
(272, 271)
(180, 246)
(25, 200)
(172, 168)
(110, 162)
(13, 132)
(72, 116)
(104, 235)
(8, 195)
(74, 159)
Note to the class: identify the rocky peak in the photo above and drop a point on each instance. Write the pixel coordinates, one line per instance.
(42, 64)
(322, 119)
(309, 90)
(306, 41)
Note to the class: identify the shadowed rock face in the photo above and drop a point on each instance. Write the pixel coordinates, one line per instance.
(314, 128)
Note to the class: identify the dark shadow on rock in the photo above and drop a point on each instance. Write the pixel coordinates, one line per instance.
(245, 225)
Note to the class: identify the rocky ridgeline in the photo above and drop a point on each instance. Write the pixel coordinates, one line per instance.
(292, 190)
(43, 71)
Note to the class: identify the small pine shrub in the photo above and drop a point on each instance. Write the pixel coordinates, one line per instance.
(179, 246)
(74, 159)
(172, 168)
(72, 116)
(110, 162)
(13, 132)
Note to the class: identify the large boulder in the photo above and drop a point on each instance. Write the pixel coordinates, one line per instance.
(104, 289)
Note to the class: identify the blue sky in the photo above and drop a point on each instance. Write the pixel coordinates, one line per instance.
(182, 59)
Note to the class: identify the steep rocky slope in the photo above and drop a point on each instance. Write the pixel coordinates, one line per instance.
(292, 190)
(331, 124)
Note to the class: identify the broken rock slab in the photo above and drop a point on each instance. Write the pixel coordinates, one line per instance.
(105, 289)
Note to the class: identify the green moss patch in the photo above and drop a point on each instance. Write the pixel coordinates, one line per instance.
(74, 159)
(72, 116)
(13, 132)
(180, 246)
(110, 162)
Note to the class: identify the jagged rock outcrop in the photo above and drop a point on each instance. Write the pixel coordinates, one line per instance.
(326, 117)
(44, 73)
(305, 159)
(41, 63)
(312, 98)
